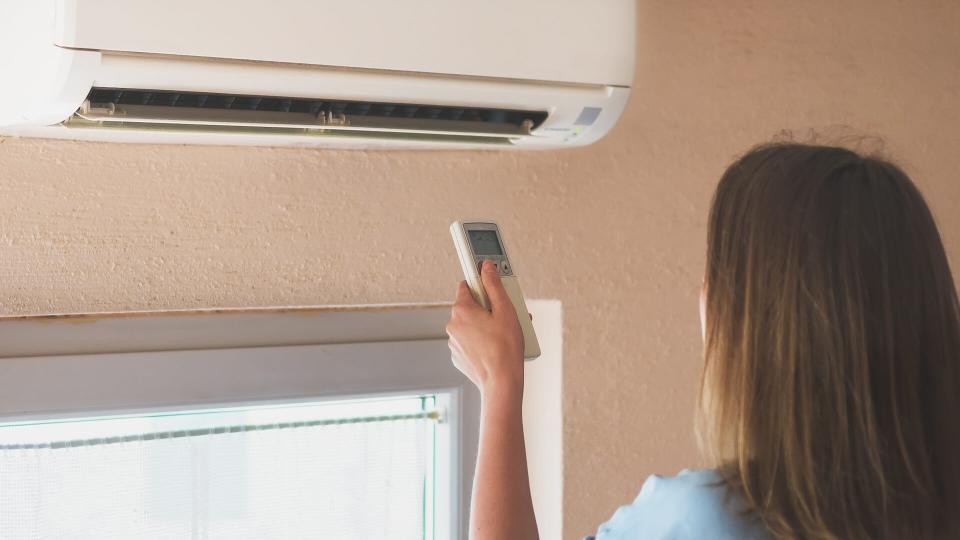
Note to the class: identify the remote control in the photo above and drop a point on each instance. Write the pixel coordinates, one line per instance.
(477, 241)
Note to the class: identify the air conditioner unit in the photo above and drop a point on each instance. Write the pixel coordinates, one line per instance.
(363, 73)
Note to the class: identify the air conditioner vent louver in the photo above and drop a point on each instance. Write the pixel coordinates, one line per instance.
(111, 96)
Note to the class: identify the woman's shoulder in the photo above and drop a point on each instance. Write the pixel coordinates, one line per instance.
(692, 504)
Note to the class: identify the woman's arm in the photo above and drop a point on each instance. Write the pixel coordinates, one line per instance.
(501, 490)
(488, 348)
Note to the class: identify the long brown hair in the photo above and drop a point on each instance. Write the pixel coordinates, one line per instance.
(831, 386)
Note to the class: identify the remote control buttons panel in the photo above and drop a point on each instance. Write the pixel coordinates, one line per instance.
(499, 261)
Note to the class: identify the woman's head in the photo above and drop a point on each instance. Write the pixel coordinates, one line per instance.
(832, 346)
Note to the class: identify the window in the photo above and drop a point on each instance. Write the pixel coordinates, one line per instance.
(341, 469)
(160, 431)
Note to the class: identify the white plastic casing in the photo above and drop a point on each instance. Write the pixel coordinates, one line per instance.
(572, 59)
(43, 84)
(469, 260)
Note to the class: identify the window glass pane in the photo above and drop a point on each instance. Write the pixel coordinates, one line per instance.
(347, 469)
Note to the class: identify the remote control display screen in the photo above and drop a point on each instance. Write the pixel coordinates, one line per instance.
(485, 243)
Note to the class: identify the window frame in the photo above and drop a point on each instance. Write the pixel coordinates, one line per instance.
(84, 365)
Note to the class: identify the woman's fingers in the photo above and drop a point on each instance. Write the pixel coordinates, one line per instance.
(464, 296)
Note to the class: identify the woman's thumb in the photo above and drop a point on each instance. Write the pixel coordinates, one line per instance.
(494, 287)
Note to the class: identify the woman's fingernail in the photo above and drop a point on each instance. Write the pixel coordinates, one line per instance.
(488, 265)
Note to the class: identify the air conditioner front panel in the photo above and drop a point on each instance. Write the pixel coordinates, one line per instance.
(483, 89)
(546, 40)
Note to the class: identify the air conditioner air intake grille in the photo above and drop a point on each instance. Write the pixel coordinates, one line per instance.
(210, 101)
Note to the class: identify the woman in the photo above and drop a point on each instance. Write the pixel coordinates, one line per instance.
(829, 394)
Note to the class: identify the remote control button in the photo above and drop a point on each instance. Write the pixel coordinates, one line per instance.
(496, 266)
(505, 268)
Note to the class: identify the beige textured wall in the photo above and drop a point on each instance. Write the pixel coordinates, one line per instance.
(615, 230)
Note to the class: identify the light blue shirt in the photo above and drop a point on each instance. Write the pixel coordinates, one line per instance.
(692, 505)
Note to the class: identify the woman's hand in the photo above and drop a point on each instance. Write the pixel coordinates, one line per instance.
(487, 346)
